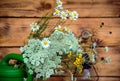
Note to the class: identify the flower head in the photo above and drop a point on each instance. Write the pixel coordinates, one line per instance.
(45, 43)
(67, 29)
(73, 15)
(58, 28)
(78, 61)
(63, 14)
(107, 60)
(57, 12)
(106, 49)
(59, 4)
(34, 26)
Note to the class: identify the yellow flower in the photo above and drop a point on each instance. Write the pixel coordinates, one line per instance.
(78, 61)
(70, 54)
(80, 70)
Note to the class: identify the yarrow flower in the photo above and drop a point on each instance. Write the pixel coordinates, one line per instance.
(34, 26)
(45, 43)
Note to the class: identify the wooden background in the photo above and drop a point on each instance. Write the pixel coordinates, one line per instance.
(16, 16)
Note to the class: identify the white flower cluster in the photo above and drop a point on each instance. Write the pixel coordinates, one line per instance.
(42, 57)
(64, 14)
(39, 60)
(63, 43)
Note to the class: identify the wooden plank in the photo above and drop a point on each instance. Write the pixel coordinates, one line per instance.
(86, 8)
(13, 31)
(80, 79)
(112, 69)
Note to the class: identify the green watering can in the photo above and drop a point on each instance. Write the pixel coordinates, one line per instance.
(9, 73)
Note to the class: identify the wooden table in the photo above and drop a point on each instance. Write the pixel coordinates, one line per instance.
(16, 16)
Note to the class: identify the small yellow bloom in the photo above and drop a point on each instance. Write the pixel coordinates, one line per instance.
(78, 61)
(70, 54)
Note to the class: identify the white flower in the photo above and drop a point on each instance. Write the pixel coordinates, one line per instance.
(37, 63)
(59, 4)
(73, 15)
(57, 12)
(58, 28)
(63, 14)
(45, 43)
(94, 45)
(107, 60)
(25, 60)
(93, 58)
(30, 71)
(67, 29)
(106, 49)
(38, 75)
(34, 26)
(80, 40)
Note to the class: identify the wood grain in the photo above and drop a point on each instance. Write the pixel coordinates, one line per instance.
(80, 79)
(86, 8)
(102, 69)
(16, 16)
(13, 31)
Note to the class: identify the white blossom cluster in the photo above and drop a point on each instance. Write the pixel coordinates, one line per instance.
(39, 60)
(63, 43)
(42, 57)
(64, 14)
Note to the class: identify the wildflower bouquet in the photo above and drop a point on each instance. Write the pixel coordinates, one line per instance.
(46, 55)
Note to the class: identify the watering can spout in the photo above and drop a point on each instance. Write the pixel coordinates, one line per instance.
(9, 73)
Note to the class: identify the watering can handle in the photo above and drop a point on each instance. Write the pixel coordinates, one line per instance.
(15, 57)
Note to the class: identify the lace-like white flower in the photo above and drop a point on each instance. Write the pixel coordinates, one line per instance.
(73, 15)
(63, 15)
(45, 43)
(30, 71)
(58, 28)
(34, 26)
